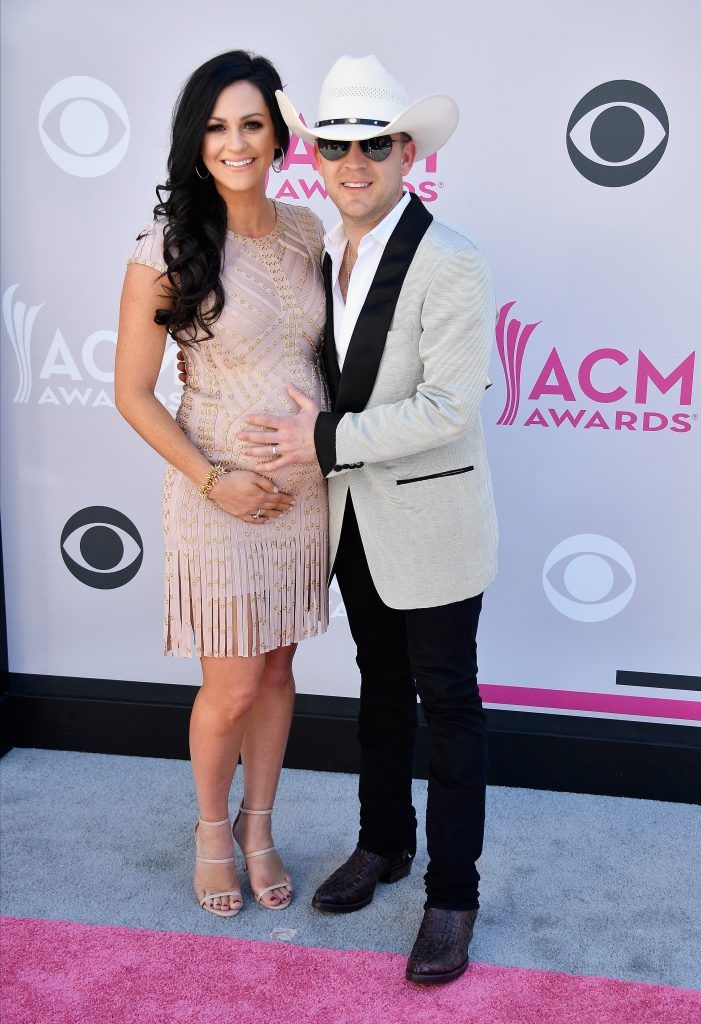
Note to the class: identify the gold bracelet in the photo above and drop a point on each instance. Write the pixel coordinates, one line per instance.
(214, 474)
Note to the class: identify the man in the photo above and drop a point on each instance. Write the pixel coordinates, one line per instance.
(412, 525)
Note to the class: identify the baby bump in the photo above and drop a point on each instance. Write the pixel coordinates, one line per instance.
(214, 429)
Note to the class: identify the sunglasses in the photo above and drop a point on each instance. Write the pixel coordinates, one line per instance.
(376, 149)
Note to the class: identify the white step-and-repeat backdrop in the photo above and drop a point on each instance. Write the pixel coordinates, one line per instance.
(575, 166)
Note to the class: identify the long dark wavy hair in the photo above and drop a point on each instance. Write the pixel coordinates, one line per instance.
(194, 212)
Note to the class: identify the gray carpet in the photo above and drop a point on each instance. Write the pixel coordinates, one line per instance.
(583, 884)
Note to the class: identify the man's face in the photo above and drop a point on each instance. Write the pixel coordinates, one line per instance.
(365, 190)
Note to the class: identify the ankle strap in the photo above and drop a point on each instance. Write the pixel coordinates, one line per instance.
(244, 810)
(224, 821)
(260, 853)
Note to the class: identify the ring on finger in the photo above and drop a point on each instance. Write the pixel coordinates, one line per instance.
(274, 451)
(257, 515)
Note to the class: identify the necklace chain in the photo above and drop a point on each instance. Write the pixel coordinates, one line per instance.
(348, 266)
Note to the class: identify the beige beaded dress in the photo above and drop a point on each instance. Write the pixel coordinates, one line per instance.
(232, 587)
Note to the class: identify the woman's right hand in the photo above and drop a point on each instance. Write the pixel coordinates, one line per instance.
(242, 493)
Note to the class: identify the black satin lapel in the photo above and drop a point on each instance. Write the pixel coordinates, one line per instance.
(370, 333)
(329, 356)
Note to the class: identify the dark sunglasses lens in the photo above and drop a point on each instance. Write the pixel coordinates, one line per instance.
(379, 148)
(332, 149)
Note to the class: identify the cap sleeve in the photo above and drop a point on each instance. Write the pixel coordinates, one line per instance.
(319, 228)
(149, 247)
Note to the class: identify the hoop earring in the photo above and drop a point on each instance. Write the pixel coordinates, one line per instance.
(202, 176)
(280, 160)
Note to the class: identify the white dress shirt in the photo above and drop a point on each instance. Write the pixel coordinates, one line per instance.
(372, 245)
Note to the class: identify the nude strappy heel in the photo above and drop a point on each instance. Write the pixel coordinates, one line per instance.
(261, 853)
(208, 860)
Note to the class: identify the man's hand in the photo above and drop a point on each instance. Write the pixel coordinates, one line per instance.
(182, 368)
(293, 436)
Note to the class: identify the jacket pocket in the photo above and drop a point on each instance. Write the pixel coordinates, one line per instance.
(435, 476)
(400, 336)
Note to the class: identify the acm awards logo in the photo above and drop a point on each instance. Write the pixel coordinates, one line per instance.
(617, 133)
(84, 126)
(607, 389)
(300, 180)
(589, 577)
(81, 375)
(101, 547)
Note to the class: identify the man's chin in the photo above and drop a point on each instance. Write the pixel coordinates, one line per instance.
(345, 200)
(359, 209)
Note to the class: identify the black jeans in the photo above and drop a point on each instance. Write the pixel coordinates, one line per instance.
(431, 651)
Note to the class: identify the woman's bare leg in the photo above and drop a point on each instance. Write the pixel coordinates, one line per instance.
(219, 719)
(262, 752)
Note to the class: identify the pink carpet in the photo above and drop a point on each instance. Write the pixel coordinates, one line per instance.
(56, 972)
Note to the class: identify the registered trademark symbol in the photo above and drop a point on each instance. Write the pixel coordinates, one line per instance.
(441, 184)
(694, 416)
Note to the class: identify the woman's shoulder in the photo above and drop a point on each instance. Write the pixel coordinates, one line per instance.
(149, 245)
(308, 221)
(154, 227)
(294, 210)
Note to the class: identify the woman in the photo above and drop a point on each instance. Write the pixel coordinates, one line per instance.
(234, 278)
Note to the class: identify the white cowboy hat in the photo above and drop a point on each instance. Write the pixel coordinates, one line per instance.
(360, 100)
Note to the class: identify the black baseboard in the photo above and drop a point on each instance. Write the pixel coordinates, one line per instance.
(529, 750)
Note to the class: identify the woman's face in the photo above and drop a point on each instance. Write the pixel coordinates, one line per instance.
(239, 141)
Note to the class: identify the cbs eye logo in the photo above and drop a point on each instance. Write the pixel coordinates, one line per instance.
(617, 133)
(101, 547)
(83, 113)
(589, 577)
